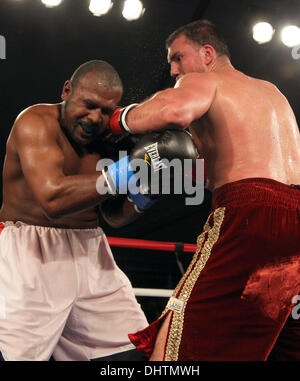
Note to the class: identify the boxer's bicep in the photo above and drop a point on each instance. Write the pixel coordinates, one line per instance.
(176, 107)
(197, 92)
(40, 156)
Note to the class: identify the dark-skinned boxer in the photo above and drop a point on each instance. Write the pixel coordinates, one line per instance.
(61, 290)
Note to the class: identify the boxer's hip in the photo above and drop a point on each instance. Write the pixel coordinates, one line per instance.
(243, 275)
(254, 191)
(41, 254)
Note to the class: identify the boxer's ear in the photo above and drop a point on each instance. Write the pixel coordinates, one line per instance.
(208, 54)
(67, 90)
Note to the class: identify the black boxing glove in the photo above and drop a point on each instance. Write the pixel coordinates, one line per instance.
(152, 153)
(109, 145)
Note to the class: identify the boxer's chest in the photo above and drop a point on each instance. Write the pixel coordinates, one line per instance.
(76, 162)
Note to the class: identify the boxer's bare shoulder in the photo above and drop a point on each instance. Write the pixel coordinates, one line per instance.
(247, 131)
(39, 118)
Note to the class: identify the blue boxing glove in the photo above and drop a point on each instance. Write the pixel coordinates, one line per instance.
(121, 178)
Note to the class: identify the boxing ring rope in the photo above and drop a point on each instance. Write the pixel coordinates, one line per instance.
(175, 247)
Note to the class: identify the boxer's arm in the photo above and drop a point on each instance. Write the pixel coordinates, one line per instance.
(177, 108)
(42, 162)
(118, 211)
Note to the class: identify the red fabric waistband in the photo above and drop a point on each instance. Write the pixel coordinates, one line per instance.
(256, 190)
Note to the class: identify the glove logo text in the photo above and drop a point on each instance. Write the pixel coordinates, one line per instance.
(147, 159)
(153, 153)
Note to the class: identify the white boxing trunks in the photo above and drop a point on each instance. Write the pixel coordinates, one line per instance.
(62, 293)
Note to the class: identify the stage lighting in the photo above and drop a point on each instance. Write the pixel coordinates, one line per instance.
(133, 10)
(100, 7)
(290, 36)
(263, 32)
(51, 3)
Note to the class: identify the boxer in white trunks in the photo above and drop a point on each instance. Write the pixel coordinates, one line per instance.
(62, 294)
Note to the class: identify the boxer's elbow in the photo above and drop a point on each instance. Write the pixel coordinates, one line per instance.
(51, 205)
(55, 209)
(174, 116)
(52, 210)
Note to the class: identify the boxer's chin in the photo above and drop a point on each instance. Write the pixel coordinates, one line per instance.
(81, 136)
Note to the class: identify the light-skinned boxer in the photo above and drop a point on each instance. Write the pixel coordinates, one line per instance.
(237, 294)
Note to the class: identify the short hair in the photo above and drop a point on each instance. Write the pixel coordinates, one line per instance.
(106, 71)
(201, 32)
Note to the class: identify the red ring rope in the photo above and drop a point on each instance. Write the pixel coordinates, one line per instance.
(149, 245)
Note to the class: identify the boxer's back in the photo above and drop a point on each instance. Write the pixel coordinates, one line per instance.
(249, 131)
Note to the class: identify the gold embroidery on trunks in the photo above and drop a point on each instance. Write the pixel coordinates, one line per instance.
(176, 328)
(200, 240)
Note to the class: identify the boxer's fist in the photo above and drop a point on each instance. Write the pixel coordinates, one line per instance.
(158, 149)
(109, 145)
(154, 152)
(117, 124)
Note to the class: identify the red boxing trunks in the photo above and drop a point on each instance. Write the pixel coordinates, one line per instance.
(240, 287)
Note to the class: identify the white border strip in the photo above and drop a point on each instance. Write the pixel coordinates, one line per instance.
(156, 292)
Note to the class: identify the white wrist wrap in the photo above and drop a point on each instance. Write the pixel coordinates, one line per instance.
(123, 116)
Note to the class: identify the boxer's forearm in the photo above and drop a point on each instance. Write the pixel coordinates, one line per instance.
(162, 111)
(176, 107)
(70, 194)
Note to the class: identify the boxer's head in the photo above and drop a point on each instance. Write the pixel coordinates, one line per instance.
(194, 48)
(89, 98)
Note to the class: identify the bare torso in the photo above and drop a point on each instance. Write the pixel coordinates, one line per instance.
(249, 131)
(19, 203)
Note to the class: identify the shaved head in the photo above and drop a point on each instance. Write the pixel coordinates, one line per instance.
(89, 99)
(107, 73)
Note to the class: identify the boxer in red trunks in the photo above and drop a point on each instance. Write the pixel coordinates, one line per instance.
(237, 294)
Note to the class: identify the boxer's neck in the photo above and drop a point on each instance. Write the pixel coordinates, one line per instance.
(220, 63)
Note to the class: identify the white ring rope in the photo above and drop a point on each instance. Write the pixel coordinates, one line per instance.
(156, 292)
